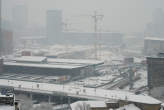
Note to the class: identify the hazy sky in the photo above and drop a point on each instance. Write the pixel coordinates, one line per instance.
(119, 15)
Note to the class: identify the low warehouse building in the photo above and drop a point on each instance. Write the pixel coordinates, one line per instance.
(68, 68)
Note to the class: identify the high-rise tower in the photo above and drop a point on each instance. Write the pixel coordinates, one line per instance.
(54, 26)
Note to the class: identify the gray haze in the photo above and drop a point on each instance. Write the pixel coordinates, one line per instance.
(119, 15)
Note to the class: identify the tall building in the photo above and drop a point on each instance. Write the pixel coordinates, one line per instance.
(20, 17)
(7, 38)
(155, 28)
(153, 46)
(54, 26)
(155, 67)
(19, 22)
(56, 35)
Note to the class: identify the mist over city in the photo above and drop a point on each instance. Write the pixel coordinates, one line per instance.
(81, 55)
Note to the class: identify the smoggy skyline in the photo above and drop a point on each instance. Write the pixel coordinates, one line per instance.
(119, 15)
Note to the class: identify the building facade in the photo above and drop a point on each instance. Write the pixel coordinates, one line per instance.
(153, 46)
(54, 26)
(7, 38)
(155, 68)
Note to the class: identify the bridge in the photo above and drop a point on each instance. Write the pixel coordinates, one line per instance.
(77, 92)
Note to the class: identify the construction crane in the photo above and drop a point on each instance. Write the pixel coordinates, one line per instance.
(97, 17)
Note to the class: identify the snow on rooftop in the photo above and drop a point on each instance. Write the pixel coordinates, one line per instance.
(96, 104)
(129, 107)
(52, 62)
(99, 104)
(77, 61)
(59, 66)
(92, 104)
(5, 95)
(154, 38)
(29, 59)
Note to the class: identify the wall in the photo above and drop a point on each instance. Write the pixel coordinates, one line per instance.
(1, 65)
(7, 37)
(155, 68)
(153, 47)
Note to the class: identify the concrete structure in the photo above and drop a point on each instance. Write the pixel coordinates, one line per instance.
(30, 59)
(153, 46)
(7, 98)
(143, 101)
(54, 26)
(1, 65)
(102, 105)
(66, 69)
(155, 66)
(7, 42)
(90, 105)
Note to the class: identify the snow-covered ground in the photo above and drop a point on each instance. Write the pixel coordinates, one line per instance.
(110, 55)
(3, 107)
(129, 107)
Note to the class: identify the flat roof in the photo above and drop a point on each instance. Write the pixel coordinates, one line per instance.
(154, 38)
(29, 59)
(35, 61)
(52, 66)
(75, 61)
(58, 60)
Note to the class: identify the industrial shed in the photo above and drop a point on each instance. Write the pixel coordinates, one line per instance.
(52, 67)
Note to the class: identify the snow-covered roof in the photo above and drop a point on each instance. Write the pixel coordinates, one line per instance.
(162, 104)
(29, 59)
(33, 61)
(53, 66)
(92, 104)
(154, 38)
(129, 107)
(5, 95)
(75, 61)
(96, 104)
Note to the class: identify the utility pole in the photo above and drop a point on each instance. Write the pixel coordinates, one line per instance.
(96, 18)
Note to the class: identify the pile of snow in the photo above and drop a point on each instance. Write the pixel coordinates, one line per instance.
(129, 107)
(3, 107)
(80, 105)
(85, 105)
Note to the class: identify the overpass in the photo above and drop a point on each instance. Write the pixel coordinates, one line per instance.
(77, 92)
